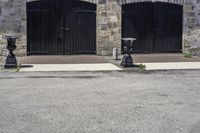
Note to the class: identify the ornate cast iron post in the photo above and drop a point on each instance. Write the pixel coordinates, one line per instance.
(11, 61)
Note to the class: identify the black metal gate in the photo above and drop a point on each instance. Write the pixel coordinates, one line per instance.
(157, 26)
(59, 27)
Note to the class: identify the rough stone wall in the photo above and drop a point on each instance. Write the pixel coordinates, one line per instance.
(2, 50)
(13, 19)
(108, 26)
(192, 26)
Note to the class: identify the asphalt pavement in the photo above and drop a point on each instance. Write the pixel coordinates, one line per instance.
(100, 102)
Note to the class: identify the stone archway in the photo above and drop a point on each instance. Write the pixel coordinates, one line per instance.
(73, 31)
(108, 22)
(177, 2)
(157, 26)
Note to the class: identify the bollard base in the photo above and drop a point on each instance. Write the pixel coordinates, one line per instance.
(11, 62)
(127, 61)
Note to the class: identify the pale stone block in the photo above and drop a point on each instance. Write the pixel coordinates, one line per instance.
(113, 19)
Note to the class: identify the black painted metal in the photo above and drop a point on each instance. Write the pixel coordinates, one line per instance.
(127, 60)
(58, 27)
(11, 61)
(157, 26)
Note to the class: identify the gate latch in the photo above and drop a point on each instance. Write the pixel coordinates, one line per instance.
(66, 29)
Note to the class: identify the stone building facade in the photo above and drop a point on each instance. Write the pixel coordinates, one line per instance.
(13, 20)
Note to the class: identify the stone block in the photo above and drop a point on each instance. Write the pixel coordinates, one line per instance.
(113, 19)
(102, 1)
(104, 27)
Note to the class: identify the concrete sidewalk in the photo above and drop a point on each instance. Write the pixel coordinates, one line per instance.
(162, 62)
(66, 63)
(109, 67)
(172, 66)
(101, 63)
(70, 67)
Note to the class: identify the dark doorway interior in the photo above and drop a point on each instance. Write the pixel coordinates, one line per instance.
(157, 26)
(60, 27)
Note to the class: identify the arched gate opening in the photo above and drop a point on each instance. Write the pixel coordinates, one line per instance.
(157, 26)
(60, 27)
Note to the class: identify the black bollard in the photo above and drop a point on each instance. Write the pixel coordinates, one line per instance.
(127, 60)
(11, 61)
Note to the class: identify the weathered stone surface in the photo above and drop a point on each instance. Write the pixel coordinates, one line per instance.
(3, 50)
(192, 41)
